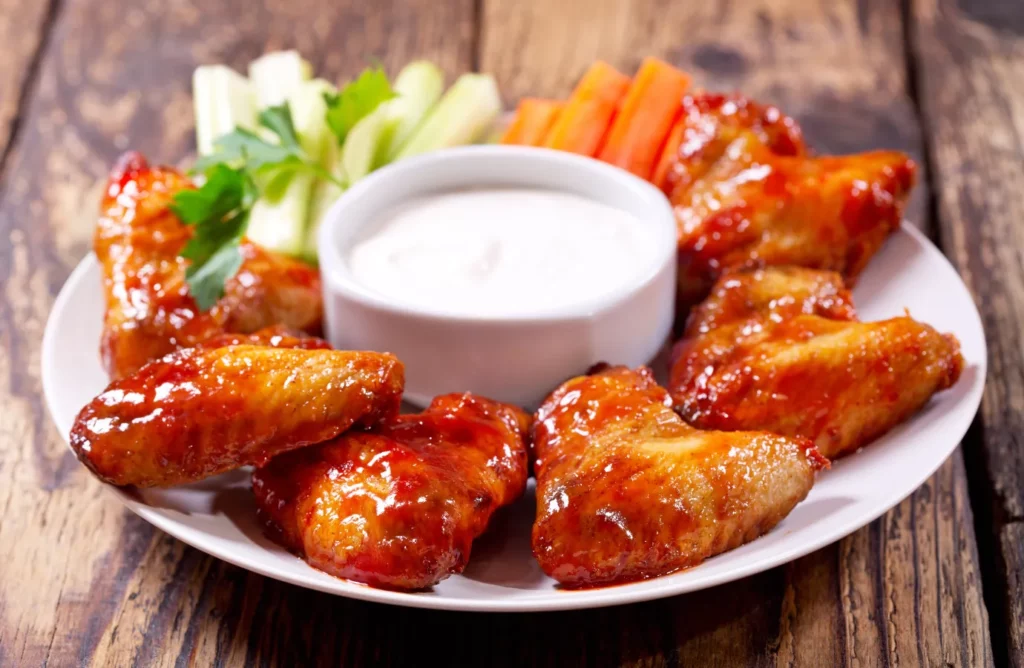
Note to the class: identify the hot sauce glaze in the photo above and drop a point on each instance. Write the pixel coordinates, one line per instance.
(711, 121)
(199, 412)
(781, 350)
(626, 490)
(149, 310)
(398, 506)
(277, 336)
(747, 195)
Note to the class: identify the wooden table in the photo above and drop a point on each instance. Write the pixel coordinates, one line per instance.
(936, 581)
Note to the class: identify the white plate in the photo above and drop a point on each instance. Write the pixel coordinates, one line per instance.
(218, 516)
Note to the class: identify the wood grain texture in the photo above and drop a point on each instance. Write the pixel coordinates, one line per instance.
(971, 77)
(84, 582)
(23, 28)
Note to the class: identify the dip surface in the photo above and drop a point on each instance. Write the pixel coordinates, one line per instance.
(502, 251)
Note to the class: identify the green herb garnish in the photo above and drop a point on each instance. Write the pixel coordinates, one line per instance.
(243, 167)
(357, 100)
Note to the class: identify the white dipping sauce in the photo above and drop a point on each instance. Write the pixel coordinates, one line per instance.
(502, 251)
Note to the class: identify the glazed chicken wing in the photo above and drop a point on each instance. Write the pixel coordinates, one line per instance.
(709, 122)
(398, 506)
(276, 336)
(198, 412)
(626, 490)
(780, 349)
(149, 310)
(746, 195)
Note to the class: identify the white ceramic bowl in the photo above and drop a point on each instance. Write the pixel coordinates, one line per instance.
(518, 359)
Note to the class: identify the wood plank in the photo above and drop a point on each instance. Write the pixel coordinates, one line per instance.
(971, 78)
(81, 577)
(23, 27)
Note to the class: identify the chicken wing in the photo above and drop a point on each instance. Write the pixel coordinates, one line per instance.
(199, 412)
(747, 196)
(780, 349)
(398, 506)
(711, 121)
(276, 336)
(149, 311)
(626, 490)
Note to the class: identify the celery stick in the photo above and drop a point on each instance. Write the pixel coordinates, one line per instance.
(361, 144)
(325, 193)
(462, 116)
(276, 76)
(280, 224)
(223, 100)
(419, 86)
(308, 110)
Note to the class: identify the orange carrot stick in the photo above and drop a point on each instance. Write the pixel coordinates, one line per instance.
(669, 153)
(645, 118)
(583, 123)
(533, 119)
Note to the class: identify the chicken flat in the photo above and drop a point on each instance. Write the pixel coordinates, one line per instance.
(198, 412)
(149, 311)
(746, 195)
(626, 490)
(780, 349)
(398, 506)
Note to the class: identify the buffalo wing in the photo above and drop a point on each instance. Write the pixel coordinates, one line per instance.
(780, 349)
(199, 411)
(398, 506)
(747, 195)
(626, 490)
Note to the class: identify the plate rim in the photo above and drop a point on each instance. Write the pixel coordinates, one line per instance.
(557, 600)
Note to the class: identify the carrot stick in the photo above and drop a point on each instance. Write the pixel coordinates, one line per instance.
(669, 153)
(533, 119)
(645, 118)
(582, 124)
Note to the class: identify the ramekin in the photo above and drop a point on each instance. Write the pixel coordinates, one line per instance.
(516, 358)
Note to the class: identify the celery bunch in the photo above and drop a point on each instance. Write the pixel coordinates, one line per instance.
(299, 142)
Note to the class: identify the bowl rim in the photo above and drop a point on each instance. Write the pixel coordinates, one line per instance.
(333, 266)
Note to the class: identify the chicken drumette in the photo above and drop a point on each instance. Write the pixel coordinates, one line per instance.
(399, 505)
(626, 490)
(780, 349)
(149, 311)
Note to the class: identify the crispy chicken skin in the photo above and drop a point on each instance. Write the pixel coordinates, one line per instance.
(780, 349)
(398, 506)
(149, 311)
(276, 336)
(626, 490)
(199, 412)
(746, 195)
(713, 120)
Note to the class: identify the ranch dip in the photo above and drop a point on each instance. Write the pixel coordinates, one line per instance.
(502, 251)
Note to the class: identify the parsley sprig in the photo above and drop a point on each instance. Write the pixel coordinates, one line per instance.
(219, 211)
(244, 167)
